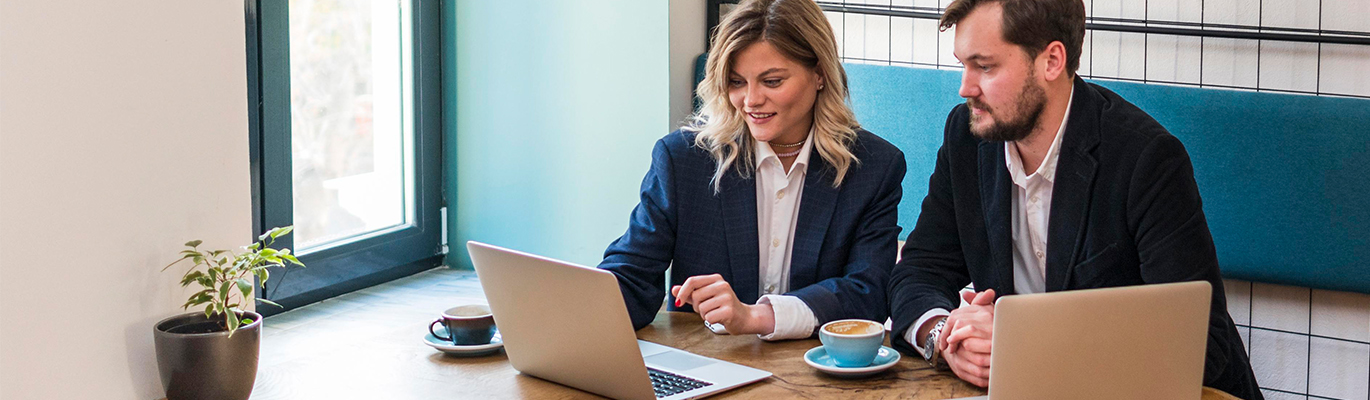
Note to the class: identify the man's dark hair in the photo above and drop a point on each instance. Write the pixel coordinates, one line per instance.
(1033, 24)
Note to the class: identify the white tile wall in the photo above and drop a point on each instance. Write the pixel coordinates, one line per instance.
(1280, 360)
(1288, 66)
(1343, 68)
(1331, 363)
(1346, 15)
(1341, 315)
(1271, 395)
(1238, 300)
(901, 39)
(1338, 369)
(1279, 307)
(1228, 63)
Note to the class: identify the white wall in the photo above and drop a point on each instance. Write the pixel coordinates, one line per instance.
(123, 134)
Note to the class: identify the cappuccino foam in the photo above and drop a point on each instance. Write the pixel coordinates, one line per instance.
(853, 328)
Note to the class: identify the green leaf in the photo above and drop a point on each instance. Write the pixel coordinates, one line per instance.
(245, 287)
(223, 291)
(194, 243)
(232, 321)
(269, 302)
(173, 263)
(191, 277)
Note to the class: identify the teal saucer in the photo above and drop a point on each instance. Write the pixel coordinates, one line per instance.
(444, 346)
(818, 357)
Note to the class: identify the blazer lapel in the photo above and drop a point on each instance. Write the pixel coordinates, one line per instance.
(1075, 169)
(816, 207)
(738, 199)
(996, 188)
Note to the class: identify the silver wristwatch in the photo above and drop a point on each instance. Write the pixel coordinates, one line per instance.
(930, 344)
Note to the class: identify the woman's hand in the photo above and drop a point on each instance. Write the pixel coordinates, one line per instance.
(714, 300)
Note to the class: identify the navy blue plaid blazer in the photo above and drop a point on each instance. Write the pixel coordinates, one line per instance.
(844, 245)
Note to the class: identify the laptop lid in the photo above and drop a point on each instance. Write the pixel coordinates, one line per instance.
(568, 324)
(1138, 342)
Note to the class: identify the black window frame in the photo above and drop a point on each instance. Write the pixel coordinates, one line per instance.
(374, 259)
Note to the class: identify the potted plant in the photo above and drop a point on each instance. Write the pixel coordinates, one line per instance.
(212, 354)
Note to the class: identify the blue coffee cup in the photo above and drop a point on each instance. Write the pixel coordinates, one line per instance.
(852, 343)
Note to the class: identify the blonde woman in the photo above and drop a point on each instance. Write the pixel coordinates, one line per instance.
(776, 212)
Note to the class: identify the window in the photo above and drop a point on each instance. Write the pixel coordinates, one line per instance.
(345, 140)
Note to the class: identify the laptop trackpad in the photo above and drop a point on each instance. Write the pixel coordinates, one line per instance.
(678, 360)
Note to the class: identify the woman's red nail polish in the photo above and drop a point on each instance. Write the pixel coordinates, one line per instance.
(677, 302)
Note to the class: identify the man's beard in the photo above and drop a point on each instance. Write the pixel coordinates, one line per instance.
(1027, 110)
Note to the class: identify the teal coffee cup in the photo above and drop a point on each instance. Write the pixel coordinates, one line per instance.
(852, 343)
(466, 325)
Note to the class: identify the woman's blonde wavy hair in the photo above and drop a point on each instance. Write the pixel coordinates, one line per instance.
(798, 30)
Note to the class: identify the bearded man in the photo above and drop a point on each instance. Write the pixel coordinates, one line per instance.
(1044, 183)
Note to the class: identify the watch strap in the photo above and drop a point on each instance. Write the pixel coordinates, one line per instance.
(930, 344)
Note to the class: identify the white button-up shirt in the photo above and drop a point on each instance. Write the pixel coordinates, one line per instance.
(1030, 216)
(777, 211)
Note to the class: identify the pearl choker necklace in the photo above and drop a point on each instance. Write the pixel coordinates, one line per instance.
(790, 154)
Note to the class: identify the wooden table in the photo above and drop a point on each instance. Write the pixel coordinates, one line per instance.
(367, 345)
(419, 372)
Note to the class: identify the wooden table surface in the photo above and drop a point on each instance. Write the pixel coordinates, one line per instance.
(368, 345)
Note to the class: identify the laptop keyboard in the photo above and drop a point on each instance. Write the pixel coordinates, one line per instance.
(667, 384)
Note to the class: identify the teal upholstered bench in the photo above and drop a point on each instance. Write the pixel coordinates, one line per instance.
(1285, 178)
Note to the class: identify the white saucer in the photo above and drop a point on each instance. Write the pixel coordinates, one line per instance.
(817, 357)
(495, 344)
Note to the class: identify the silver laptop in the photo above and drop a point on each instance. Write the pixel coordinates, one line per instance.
(568, 324)
(1138, 342)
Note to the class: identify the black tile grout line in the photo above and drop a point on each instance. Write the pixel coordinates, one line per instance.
(1250, 313)
(1310, 335)
(1260, 22)
(1308, 361)
(937, 58)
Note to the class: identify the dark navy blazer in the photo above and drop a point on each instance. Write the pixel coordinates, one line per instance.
(844, 245)
(1125, 210)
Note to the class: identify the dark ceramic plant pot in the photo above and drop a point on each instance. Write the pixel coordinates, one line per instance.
(207, 366)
